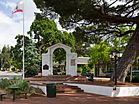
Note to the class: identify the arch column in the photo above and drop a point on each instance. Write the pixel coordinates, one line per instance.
(72, 64)
(46, 61)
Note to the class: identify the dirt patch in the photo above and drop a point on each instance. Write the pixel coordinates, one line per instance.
(103, 82)
(81, 80)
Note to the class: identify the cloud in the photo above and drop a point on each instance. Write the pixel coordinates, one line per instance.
(11, 25)
(10, 5)
(7, 30)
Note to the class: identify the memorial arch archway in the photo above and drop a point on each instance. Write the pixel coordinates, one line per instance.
(71, 60)
(59, 61)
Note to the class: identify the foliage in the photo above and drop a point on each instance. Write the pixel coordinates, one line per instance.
(91, 12)
(31, 71)
(59, 55)
(84, 69)
(82, 41)
(31, 55)
(5, 58)
(4, 83)
(47, 34)
(79, 70)
(119, 43)
(21, 84)
(100, 53)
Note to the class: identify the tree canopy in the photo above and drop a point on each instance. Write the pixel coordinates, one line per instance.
(47, 33)
(104, 17)
(85, 12)
(100, 52)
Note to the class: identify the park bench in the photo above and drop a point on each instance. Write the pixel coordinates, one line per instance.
(1, 96)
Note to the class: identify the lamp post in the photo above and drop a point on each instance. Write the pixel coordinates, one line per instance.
(115, 55)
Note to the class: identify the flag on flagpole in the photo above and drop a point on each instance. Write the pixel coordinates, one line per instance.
(19, 7)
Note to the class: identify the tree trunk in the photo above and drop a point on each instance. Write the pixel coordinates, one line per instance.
(128, 57)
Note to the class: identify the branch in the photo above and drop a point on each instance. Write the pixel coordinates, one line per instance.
(131, 11)
(108, 31)
(112, 3)
(124, 6)
(118, 20)
(125, 33)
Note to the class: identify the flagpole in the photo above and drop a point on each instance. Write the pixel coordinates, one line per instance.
(23, 70)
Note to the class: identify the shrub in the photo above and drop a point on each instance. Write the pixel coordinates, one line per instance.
(31, 72)
(22, 84)
(4, 83)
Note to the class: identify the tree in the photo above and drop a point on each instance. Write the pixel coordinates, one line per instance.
(5, 58)
(59, 56)
(100, 52)
(106, 15)
(47, 33)
(99, 55)
(31, 55)
(82, 41)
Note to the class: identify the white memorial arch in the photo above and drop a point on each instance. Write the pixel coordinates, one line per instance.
(71, 60)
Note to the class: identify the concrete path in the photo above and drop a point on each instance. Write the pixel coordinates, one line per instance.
(77, 98)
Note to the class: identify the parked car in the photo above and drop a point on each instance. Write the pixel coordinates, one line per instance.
(135, 73)
(135, 76)
(108, 74)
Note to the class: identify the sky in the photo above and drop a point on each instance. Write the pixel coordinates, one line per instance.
(12, 24)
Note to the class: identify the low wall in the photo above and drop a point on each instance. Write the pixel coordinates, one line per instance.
(126, 91)
(100, 90)
(9, 75)
(93, 89)
(108, 91)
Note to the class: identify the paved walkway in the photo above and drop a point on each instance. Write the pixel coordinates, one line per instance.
(78, 98)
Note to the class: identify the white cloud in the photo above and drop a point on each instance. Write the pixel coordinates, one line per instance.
(12, 25)
(7, 30)
(11, 5)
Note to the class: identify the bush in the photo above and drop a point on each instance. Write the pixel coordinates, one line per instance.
(31, 72)
(4, 83)
(22, 84)
(79, 70)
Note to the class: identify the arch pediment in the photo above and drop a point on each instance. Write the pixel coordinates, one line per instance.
(59, 45)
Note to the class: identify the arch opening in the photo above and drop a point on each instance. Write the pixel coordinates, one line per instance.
(59, 61)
